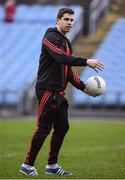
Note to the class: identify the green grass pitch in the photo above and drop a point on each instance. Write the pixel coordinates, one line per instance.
(91, 150)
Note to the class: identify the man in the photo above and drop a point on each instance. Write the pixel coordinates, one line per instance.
(10, 10)
(55, 71)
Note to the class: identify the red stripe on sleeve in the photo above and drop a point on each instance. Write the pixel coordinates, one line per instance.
(66, 72)
(76, 78)
(53, 47)
(50, 47)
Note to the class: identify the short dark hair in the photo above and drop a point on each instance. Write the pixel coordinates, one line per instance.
(62, 11)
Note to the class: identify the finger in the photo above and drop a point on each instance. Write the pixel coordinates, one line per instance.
(96, 70)
(100, 65)
(99, 68)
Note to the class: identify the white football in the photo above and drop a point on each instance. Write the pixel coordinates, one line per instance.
(95, 85)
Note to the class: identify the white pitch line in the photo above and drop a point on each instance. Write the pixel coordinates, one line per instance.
(9, 155)
(98, 148)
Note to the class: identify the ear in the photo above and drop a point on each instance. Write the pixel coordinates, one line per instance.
(58, 20)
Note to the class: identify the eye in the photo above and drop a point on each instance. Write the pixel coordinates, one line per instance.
(66, 19)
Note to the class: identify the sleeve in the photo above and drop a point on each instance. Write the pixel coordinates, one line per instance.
(51, 44)
(75, 80)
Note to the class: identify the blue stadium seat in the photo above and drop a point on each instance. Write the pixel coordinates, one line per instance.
(20, 45)
(112, 53)
(122, 97)
(2, 13)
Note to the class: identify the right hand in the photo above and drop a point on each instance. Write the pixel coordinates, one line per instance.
(95, 64)
(85, 91)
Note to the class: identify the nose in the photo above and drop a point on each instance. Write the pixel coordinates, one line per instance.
(70, 22)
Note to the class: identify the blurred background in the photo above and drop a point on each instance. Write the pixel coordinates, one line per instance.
(98, 31)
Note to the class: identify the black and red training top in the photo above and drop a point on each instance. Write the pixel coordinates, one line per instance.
(55, 63)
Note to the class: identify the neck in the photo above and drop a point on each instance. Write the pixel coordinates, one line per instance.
(61, 31)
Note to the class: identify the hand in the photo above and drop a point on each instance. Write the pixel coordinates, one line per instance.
(95, 64)
(85, 91)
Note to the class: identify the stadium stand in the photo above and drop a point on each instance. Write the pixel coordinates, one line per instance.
(94, 10)
(20, 48)
(111, 52)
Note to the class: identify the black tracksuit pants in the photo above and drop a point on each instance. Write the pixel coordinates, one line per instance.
(52, 113)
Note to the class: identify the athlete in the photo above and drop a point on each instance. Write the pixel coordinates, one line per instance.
(54, 72)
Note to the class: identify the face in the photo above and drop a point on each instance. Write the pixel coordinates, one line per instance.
(64, 24)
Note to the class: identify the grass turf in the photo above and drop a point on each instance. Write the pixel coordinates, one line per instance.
(91, 150)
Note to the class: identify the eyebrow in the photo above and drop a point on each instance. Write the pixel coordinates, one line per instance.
(66, 18)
